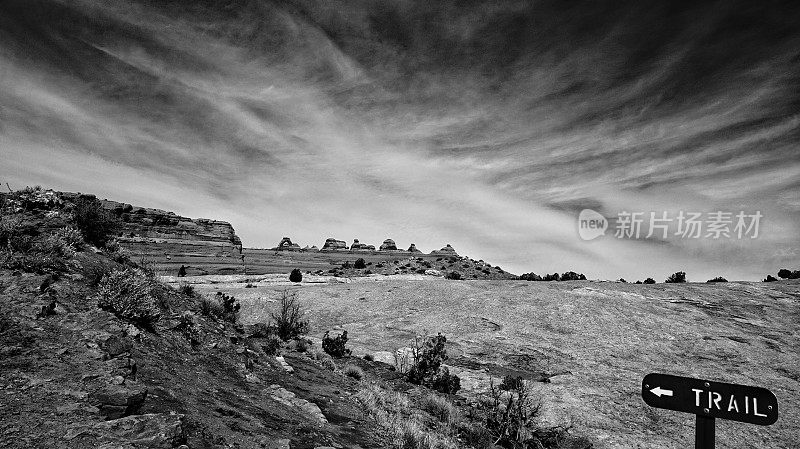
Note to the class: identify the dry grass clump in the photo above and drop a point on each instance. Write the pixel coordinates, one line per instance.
(353, 371)
(440, 408)
(324, 359)
(128, 295)
(398, 424)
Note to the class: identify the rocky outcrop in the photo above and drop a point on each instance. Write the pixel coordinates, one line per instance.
(446, 251)
(388, 245)
(332, 244)
(143, 224)
(358, 246)
(413, 249)
(287, 245)
(310, 248)
(155, 431)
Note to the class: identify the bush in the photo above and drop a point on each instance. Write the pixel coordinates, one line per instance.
(788, 274)
(296, 275)
(717, 279)
(572, 276)
(210, 308)
(272, 346)
(335, 346)
(95, 223)
(187, 326)
(230, 307)
(127, 294)
(511, 383)
(188, 290)
(676, 278)
(649, 281)
(369, 357)
(525, 276)
(182, 271)
(770, 278)
(288, 321)
(301, 345)
(454, 275)
(510, 416)
(440, 408)
(551, 277)
(261, 330)
(427, 366)
(359, 264)
(353, 371)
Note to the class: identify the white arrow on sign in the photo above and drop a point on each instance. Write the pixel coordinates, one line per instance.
(658, 391)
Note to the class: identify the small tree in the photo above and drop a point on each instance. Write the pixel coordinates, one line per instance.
(427, 366)
(454, 275)
(676, 278)
(335, 346)
(296, 275)
(359, 264)
(230, 307)
(96, 223)
(288, 321)
(649, 281)
(783, 273)
(717, 279)
(182, 271)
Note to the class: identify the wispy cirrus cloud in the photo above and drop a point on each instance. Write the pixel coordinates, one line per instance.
(486, 125)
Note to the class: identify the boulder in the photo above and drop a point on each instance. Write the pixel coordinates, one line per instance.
(310, 248)
(334, 245)
(358, 246)
(388, 245)
(413, 249)
(287, 245)
(154, 430)
(433, 273)
(116, 401)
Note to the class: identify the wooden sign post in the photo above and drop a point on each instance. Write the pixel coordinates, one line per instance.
(709, 400)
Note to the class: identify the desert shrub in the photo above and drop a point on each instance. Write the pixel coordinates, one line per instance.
(676, 278)
(335, 346)
(784, 273)
(301, 345)
(353, 371)
(210, 308)
(523, 277)
(717, 279)
(95, 222)
(510, 416)
(572, 276)
(427, 368)
(261, 330)
(511, 383)
(440, 408)
(368, 272)
(127, 294)
(649, 281)
(346, 265)
(639, 282)
(454, 275)
(182, 271)
(288, 320)
(230, 307)
(187, 289)
(359, 264)
(325, 360)
(187, 327)
(552, 277)
(272, 345)
(622, 280)
(770, 278)
(369, 357)
(250, 286)
(296, 275)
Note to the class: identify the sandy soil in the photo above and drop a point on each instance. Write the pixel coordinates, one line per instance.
(596, 339)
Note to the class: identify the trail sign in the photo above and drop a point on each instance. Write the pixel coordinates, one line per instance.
(709, 399)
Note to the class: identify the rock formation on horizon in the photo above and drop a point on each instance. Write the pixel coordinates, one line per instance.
(358, 246)
(447, 250)
(413, 249)
(287, 245)
(332, 244)
(388, 245)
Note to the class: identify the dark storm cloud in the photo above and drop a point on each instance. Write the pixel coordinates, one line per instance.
(488, 125)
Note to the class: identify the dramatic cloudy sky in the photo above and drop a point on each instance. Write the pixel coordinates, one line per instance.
(487, 125)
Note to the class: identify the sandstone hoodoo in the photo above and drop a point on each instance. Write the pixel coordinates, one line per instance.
(413, 249)
(388, 245)
(310, 248)
(358, 246)
(287, 245)
(332, 244)
(447, 251)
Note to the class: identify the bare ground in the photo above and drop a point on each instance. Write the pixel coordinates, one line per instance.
(593, 342)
